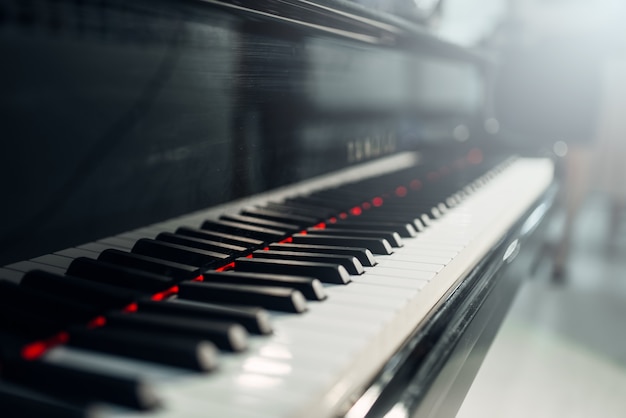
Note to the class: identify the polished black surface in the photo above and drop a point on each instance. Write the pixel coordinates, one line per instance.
(117, 114)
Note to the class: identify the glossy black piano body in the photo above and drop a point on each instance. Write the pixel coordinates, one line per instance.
(170, 92)
(119, 114)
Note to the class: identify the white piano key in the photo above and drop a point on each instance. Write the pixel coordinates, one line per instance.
(288, 334)
(26, 266)
(176, 405)
(420, 257)
(11, 275)
(392, 282)
(99, 247)
(266, 395)
(345, 315)
(402, 273)
(363, 299)
(54, 260)
(77, 252)
(384, 291)
(425, 244)
(337, 326)
(138, 234)
(280, 368)
(456, 242)
(303, 356)
(118, 242)
(411, 265)
(424, 251)
(317, 351)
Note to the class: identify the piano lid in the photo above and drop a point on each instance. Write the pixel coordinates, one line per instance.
(118, 114)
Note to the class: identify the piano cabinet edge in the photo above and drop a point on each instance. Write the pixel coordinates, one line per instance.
(435, 368)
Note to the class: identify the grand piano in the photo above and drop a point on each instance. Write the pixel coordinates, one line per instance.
(271, 208)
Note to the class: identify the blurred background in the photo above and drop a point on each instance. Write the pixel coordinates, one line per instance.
(560, 87)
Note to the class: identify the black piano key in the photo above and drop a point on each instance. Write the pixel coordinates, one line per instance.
(365, 256)
(271, 215)
(202, 244)
(405, 230)
(98, 294)
(194, 354)
(176, 271)
(424, 218)
(342, 194)
(263, 223)
(274, 298)
(444, 206)
(115, 275)
(180, 253)
(434, 212)
(20, 322)
(220, 237)
(423, 198)
(328, 206)
(19, 402)
(294, 209)
(375, 245)
(235, 228)
(391, 237)
(454, 200)
(71, 382)
(325, 272)
(10, 345)
(411, 210)
(340, 200)
(350, 263)
(254, 320)
(311, 288)
(405, 208)
(375, 216)
(226, 335)
(39, 303)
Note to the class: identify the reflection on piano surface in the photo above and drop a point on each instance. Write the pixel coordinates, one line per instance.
(235, 208)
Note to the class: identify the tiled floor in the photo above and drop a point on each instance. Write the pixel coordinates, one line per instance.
(561, 351)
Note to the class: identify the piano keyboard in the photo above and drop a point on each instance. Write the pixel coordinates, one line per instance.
(304, 297)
